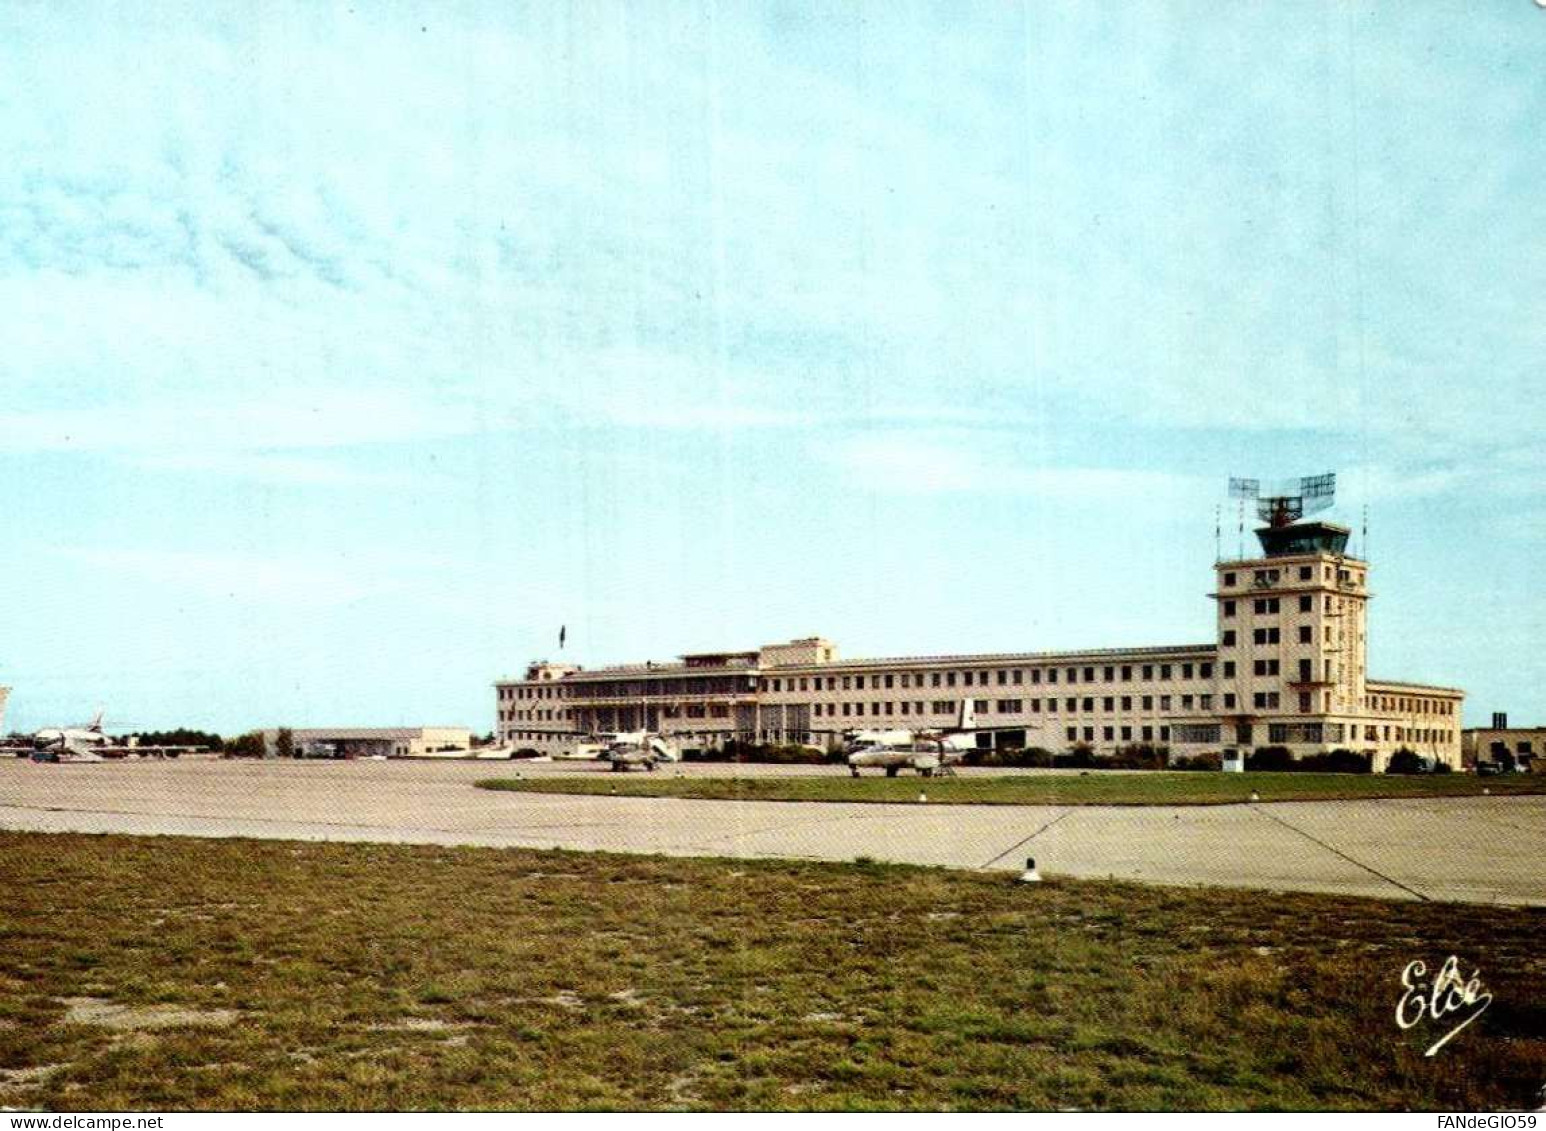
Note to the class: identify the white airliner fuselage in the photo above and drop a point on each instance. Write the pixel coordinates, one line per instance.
(80, 744)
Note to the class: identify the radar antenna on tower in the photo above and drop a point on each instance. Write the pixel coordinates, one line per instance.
(1281, 506)
(1287, 502)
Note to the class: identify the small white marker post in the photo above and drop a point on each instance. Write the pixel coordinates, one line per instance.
(922, 797)
(1030, 875)
(1255, 796)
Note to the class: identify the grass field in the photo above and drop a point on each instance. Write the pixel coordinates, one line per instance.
(168, 974)
(1072, 788)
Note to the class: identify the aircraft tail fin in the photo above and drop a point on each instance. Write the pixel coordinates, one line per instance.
(96, 722)
(968, 717)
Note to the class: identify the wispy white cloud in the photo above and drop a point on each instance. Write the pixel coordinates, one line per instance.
(200, 428)
(362, 224)
(290, 580)
(987, 464)
(277, 468)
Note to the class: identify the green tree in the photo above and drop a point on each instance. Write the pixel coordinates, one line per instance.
(284, 743)
(249, 745)
(181, 736)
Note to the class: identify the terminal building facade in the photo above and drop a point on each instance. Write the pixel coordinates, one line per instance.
(1286, 668)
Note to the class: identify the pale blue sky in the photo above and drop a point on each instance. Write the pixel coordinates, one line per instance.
(349, 352)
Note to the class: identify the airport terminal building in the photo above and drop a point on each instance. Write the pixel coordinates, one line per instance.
(1286, 668)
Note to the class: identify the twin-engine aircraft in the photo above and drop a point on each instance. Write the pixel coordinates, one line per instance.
(624, 750)
(929, 752)
(641, 748)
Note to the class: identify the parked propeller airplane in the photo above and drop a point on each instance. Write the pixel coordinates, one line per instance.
(641, 748)
(929, 752)
(624, 750)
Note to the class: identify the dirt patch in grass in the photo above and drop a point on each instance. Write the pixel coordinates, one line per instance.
(368, 977)
(1072, 788)
(19, 1077)
(137, 1018)
(417, 1025)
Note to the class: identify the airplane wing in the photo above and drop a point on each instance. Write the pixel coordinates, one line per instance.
(997, 730)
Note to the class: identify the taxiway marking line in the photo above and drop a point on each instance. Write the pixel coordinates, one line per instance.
(1027, 840)
(1338, 852)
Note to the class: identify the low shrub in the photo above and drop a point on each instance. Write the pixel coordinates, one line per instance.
(1080, 756)
(1139, 756)
(1035, 757)
(1334, 762)
(779, 754)
(1270, 759)
(789, 754)
(1208, 761)
(1405, 761)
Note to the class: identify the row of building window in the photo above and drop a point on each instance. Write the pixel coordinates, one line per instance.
(533, 715)
(1071, 705)
(1260, 700)
(1266, 578)
(1110, 734)
(1277, 733)
(697, 711)
(1271, 667)
(511, 692)
(1263, 700)
(1108, 673)
(1416, 705)
(1267, 606)
(1227, 638)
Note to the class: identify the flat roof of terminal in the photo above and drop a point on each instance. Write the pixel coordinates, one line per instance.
(1399, 686)
(961, 659)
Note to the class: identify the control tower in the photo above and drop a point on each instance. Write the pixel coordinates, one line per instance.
(1292, 624)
